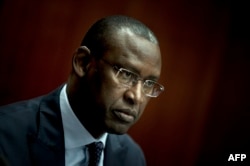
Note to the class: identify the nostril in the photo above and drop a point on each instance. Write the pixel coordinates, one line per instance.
(129, 97)
(134, 94)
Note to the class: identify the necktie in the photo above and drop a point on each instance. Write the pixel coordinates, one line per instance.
(95, 151)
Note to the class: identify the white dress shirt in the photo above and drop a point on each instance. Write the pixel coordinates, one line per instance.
(76, 137)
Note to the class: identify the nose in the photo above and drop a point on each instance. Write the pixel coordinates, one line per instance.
(134, 94)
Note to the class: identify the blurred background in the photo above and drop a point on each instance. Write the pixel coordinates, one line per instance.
(204, 114)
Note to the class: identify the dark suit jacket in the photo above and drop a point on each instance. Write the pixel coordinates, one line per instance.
(31, 133)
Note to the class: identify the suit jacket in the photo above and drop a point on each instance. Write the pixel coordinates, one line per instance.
(31, 133)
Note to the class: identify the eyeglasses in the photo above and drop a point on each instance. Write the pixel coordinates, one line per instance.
(129, 79)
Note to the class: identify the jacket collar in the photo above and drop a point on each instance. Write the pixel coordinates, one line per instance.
(114, 152)
(47, 146)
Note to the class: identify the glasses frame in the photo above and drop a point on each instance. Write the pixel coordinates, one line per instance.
(136, 80)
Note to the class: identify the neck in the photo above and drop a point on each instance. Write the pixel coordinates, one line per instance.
(85, 110)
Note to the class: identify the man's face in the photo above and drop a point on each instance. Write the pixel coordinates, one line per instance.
(119, 106)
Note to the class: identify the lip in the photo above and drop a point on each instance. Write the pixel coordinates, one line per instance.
(124, 115)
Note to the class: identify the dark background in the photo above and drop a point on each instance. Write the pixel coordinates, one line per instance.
(201, 118)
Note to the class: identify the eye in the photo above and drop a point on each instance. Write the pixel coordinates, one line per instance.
(149, 83)
(126, 74)
(127, 77)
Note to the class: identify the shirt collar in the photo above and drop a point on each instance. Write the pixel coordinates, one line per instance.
(75, 134)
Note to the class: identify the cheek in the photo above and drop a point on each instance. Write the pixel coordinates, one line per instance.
(141, 110)
(110, 93)
(102, 85)
(112, 97)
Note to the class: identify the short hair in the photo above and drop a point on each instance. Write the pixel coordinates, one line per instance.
(97, 36)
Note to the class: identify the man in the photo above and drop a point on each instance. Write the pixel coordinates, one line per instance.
(114, 74)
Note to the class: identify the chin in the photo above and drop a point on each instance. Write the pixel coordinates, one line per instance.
(117, 129)
(116, 133)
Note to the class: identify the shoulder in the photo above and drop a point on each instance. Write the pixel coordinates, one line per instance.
(30, 106)
(17, 121)
(24, 113)
(19, 110)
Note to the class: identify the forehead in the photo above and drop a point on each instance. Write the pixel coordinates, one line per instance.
(134, 52)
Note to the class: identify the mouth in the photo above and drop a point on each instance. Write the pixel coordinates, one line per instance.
(124, 116)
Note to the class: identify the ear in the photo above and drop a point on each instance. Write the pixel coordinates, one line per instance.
(81, 61)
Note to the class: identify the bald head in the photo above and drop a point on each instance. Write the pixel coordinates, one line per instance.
(97, 39)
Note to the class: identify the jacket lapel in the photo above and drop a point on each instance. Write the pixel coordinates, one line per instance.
(114, 151)
(47, 146)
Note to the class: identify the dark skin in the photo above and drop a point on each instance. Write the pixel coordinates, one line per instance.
(99, 101)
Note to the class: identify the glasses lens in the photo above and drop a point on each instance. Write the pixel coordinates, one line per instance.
(126, 77)
(152, 89)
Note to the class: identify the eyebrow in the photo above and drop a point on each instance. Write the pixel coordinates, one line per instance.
(153, 78)
(126, 65)
(135, 71)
